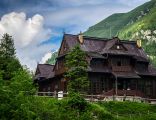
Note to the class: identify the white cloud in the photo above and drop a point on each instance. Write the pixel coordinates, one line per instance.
(80, 18)
(28, 34)
(79, 14)
(24, 31)
(132, 3)
(46, 57)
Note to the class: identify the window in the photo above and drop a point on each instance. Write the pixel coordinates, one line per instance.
(96, 86)
(97, 63)
(118, 47)
(119, 63)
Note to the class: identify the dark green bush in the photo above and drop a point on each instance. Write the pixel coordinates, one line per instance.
(77, 102)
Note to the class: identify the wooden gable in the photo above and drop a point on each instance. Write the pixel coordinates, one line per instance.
(64, 48)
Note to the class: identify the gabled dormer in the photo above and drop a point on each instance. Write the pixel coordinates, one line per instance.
(118, 46)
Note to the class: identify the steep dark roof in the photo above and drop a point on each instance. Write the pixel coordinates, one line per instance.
(44, 71)
(151, 71)
(90, 44)
(125, 74)
(102, 46)
(95, 55)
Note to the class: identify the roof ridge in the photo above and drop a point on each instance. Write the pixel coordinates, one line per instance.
(70, 34)
(45, 64)
(100, 38)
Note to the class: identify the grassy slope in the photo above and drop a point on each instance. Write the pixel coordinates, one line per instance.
(130, 110)
(52, 109)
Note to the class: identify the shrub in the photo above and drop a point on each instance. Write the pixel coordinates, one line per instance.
(75, 101)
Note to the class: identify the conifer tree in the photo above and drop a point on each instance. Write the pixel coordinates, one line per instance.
(76, 70)
(8, 61)
(7, 49)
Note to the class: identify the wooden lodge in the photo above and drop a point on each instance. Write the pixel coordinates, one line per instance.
(116, 67)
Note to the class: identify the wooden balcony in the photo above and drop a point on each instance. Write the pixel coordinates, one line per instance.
(121, 68)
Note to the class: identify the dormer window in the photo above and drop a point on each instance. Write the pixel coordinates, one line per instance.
(118, 47)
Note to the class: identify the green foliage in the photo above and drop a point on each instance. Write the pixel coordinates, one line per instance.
(7, 48)
(130, 110)
(145, 23)
(8, 61)
(76, 57)
(15, 94)
(52, 60)
(75, 101)
(77, 70)
(101, 113)
(22, 82)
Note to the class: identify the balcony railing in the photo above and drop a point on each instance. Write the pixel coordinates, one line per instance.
(101, 97)
(125, 93)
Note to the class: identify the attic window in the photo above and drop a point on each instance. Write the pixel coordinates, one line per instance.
(118, 47)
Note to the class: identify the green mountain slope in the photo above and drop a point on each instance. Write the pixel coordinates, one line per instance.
(139, 23)
(113, 24)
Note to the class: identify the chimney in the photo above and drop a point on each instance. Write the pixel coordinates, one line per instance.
(139, 43)
(80, 37)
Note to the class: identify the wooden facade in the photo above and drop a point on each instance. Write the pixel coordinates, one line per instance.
(116, 67)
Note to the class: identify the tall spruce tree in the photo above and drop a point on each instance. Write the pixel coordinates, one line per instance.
(8, 61)
(76, 70)
(7, 48)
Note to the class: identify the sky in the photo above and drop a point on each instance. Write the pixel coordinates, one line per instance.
(37, 26)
